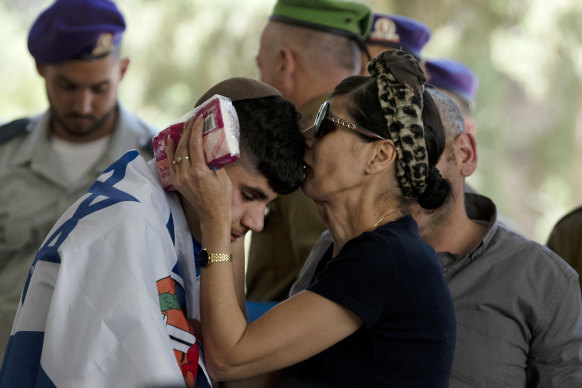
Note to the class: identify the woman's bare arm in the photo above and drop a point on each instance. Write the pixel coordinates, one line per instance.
(292, 331)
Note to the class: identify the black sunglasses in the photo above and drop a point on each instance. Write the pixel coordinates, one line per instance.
(325, 123)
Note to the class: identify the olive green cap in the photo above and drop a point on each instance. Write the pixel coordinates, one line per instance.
(346, 18)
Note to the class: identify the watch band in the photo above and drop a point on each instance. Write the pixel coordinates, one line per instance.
(218, 257)
(205, 257)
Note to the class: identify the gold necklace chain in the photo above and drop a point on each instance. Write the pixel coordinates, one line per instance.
(380, 220)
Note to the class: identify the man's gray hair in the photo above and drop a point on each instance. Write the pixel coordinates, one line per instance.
(451, 116)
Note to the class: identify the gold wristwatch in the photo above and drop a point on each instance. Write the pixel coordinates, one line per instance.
(205, 257)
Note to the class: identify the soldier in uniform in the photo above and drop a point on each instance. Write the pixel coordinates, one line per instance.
(48, 161)
(306, 49)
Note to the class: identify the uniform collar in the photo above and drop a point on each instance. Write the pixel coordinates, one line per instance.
(35, 150)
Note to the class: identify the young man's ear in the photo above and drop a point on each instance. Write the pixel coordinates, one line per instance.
(466, 153)
(383, 156)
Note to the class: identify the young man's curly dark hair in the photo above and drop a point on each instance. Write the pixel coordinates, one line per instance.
(271, 141)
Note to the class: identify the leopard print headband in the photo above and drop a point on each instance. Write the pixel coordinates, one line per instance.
(400, 82)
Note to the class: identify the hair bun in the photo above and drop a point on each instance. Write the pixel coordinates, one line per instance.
(438, 190)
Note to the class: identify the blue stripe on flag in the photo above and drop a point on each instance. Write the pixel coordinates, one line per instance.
(43, 380)
(49, 251)
(21, 367)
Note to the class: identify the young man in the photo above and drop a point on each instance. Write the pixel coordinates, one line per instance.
(48, 161)
(112, 288)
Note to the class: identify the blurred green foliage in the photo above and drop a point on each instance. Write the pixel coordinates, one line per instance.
(527, 53)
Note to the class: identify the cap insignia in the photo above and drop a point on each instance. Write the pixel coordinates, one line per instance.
(104, 44)
(385, 29)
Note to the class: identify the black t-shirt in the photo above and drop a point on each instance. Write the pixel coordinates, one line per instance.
(393, 281)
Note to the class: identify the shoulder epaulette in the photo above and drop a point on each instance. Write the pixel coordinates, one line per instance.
(13, 129)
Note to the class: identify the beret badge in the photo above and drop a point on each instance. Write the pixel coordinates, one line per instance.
(104, 44)
(385, 30)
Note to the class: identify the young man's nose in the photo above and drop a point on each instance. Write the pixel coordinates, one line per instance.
(254, 219)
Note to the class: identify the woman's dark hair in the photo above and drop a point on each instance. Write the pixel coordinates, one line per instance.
(364, 106)
(271, 141)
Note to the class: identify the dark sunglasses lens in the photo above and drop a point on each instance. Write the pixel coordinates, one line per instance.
(324, 128)
(320, 117)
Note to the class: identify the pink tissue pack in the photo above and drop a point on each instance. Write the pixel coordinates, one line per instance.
(220, 137)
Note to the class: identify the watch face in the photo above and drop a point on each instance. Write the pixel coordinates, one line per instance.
(203, 258)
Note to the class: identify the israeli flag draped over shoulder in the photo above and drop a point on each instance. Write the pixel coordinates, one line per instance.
(104, 303)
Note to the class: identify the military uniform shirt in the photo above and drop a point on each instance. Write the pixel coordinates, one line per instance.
(35, 192)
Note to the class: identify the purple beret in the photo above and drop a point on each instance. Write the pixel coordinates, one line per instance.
(399, 32)
(453, 76)
(75, 29)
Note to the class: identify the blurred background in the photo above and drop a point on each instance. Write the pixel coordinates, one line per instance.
(527, 54)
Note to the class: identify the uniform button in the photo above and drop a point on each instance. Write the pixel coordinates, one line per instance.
(444, 270)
